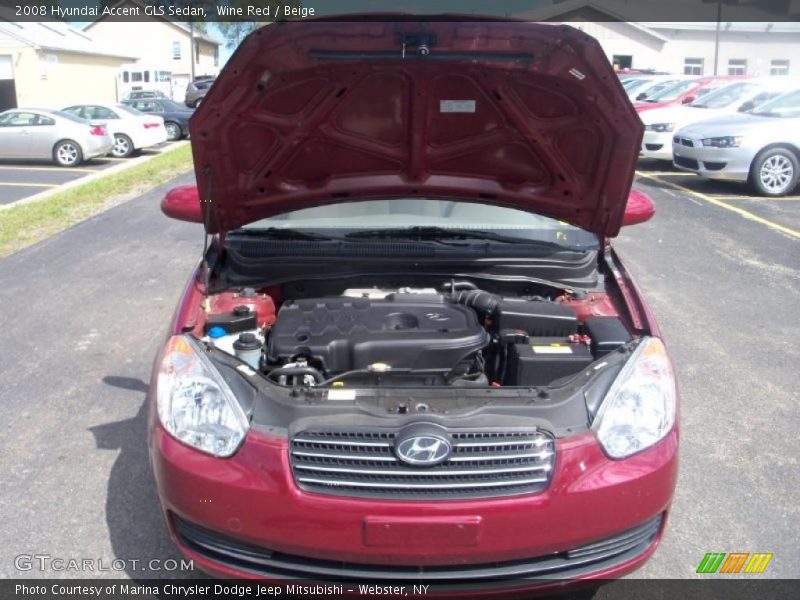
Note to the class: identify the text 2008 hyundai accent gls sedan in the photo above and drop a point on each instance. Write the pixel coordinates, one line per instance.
(410, 352)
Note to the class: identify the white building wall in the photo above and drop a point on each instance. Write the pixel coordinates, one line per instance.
(759, 48)
(619, 38)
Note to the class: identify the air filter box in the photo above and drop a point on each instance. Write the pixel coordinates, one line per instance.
(538, 318)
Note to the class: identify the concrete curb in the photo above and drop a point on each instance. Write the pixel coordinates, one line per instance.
(123, 166)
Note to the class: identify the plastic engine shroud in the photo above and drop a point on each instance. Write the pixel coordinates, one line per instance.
(405, 331)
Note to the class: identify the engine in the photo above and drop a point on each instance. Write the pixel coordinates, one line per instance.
(420, 333)
(411, 337)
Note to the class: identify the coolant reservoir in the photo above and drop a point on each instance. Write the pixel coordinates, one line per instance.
(247, 348)
(246, 345)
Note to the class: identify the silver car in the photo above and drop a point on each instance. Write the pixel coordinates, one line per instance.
(761, 147)
(67, 140)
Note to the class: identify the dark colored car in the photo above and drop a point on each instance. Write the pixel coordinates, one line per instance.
(411, 353)
(197, 90)
(144, 94)
(176, 116)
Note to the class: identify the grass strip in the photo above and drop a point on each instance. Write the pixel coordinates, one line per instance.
(27, 224)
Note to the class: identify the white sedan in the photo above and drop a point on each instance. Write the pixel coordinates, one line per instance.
(660, 124)
(42, 134)
(131, 129)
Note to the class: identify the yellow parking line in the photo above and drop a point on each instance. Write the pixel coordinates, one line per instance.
(49, 185)
(59, 169)
(759, 198)
(721, 204)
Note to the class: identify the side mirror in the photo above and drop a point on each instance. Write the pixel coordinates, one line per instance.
(688, 99)
(749, 105)
(183, 203)
(640, 208)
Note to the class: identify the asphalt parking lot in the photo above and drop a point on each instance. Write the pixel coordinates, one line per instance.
(88, 308)
(20, 179)
(780, 214)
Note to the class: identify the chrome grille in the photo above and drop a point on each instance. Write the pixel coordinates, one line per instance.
(481, 464)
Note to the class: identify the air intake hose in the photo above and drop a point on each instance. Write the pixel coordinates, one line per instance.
(483, 303)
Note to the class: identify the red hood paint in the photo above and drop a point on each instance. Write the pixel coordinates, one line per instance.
(524, 115)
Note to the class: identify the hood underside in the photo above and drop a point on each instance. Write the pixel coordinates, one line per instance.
(523, 115)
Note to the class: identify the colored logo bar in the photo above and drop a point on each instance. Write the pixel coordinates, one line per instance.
(734, 562)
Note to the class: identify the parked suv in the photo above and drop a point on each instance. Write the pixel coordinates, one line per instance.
(410, 352)
(197, 90)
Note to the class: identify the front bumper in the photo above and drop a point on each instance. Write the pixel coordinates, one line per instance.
(728, 164)
(251, 501)
(656, 144)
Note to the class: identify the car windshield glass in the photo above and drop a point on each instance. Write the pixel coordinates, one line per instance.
(129, 109)
(634, 84)
(68, 116)
(724, 96)
(784, 106)
(654, 87)
(394, 216)
(671, 92)
(704, 91)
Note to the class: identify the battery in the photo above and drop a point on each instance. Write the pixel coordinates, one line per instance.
(543, 360)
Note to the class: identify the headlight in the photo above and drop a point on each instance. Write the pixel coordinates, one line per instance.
(195, 404)
(660, 127)
(726, 141)
(639, 408)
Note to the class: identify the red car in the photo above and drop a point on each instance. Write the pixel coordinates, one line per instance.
(684, 92)
(410, 352)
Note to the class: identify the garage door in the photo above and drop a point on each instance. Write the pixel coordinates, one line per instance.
(8, 92)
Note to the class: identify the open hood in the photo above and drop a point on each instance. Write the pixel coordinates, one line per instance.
(525, 115)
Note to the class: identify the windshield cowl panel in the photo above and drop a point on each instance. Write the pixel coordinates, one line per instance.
(423, 219)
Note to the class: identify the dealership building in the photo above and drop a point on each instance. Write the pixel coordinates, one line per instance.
(644, 35)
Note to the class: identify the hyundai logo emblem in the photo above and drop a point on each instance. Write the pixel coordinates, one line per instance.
(423, 450)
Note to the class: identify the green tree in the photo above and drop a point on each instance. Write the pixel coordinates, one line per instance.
(236, 30)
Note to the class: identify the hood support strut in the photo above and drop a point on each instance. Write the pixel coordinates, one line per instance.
(206, 226)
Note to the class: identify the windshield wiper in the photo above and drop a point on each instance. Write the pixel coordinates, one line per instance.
(281, 233)
(432, 233)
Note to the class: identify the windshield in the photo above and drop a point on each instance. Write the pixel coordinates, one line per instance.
(410, 213)
(654, 87)
(704, 91)
(672, 92)
(725, 96)
(634, 84)
(784, 106)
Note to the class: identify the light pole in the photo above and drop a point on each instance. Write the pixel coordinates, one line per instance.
(191, 46)
(716, 36)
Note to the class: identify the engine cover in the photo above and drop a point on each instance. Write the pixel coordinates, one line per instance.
(405, 331)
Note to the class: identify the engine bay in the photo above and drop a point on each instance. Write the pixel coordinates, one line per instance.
(451, 334)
